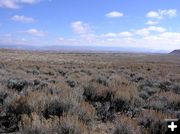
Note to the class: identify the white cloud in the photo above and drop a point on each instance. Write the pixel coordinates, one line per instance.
(147, 39)
(150, 22)
(114, 35)
(80, 27)
(146, 31)
(171, 35)
(125, 34)
(152, 14)
(156, 29)
(109, 35)
(35, 32)
(160, 14)
(85, 39)
(167, 41)
(142, 32)
(123, 39)
(24, 19)
(168, 13)
(15, 4)
(162, 41)
(114, 14)
(152, 37)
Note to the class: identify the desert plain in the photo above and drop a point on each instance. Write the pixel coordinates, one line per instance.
(51, 92)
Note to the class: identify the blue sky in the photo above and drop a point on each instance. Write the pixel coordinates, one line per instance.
(149, 24)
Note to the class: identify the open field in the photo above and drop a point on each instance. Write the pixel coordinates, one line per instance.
(87, 93)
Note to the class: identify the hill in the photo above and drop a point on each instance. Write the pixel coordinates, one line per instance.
(177, 51)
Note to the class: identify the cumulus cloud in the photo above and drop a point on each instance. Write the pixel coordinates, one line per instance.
(83, 39)
(160, 14)
(169, 13)
(114, 14)
(153, 14)
(146, 31)
(24, 19)
(114, 35)
(80, 27)
(35, 32)
(15, 4)
(109, 35)
(156, 29)
(171, 35)
(143, 32)
(167, 41)
(162, 41)
(125, 34)
(150, 22)
(152, 37)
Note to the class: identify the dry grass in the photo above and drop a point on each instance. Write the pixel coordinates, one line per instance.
(66, 124)
(153, 121)
(51, 92)
(126, 125)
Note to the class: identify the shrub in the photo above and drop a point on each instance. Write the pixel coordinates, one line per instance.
(37, 84)
(85, 111)
(97, 93)
(62, 72)
(138, 79)
(70, 124)
(105, 111)
(126, 125)
(164, 101)
(153, 121)
(34, 72)
(20, 106)
(34, 124)
(164, 85)
(118, 80)
(144, 95)
(88, 72)
(157, 103)
(172, 99)
(53, 91)
(121, 104)
(72, 83)
(124, 97)
(3, 96)
(94, 92)
(89, 92)
(150, 90)
(102, 80)
(147, 83)
(31, 130)
(9, 124)
(61, 103)
(17, 84)
(48, 71)
(32, 102)
(55, 108)
(176, 88)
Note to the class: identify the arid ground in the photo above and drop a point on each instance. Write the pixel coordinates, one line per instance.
(87, 93)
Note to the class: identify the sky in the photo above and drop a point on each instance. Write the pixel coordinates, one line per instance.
(147, 24)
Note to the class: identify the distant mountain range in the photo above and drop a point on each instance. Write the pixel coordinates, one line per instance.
(176, 52)
(82, 48)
